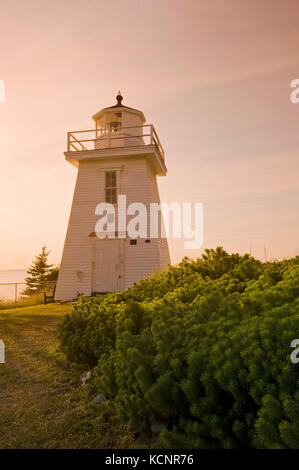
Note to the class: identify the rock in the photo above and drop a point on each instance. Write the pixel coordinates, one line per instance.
(99, 399)
(85, 377)
(158, 427)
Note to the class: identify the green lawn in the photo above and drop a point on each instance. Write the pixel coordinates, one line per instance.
(42, 403)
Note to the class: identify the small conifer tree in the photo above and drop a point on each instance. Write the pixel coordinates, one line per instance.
(39, 273)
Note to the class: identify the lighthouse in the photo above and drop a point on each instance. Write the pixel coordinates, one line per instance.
(120, 156)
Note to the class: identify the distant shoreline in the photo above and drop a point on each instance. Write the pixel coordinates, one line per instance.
(16, 269)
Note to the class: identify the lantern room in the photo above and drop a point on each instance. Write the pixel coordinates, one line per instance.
(118, 126)
(119, 130)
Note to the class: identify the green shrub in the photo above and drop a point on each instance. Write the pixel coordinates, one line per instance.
(204, 346)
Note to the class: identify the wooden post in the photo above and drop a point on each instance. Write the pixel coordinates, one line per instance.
(16, 292)
(109, 138)
(152, 140)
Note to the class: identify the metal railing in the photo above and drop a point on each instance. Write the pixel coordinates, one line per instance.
(14, 290)
(97, 139)
(16, 293)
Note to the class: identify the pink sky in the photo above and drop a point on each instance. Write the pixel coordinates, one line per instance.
(213, 77)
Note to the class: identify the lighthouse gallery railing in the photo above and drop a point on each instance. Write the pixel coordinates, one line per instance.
(92, 139)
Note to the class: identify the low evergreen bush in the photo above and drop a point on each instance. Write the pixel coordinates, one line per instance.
(203, 347)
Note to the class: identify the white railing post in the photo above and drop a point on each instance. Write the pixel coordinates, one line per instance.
(152, 136)
(109, 138)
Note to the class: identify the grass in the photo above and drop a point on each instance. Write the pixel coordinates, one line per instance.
(42, 402)
(22, 302)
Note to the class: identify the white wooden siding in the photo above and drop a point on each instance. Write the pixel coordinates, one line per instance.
(138, 182)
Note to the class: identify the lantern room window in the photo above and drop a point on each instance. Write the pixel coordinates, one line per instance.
(115, 126)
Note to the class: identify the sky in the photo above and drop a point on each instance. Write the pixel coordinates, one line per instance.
(213, 77)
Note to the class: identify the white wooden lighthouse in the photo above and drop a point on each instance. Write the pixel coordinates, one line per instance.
(120, 156)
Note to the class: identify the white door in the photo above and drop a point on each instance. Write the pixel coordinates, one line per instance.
(106, 266)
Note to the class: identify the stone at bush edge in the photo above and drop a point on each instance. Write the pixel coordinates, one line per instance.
(99, 399)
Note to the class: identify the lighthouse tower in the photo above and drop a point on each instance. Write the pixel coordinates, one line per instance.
(119, 156)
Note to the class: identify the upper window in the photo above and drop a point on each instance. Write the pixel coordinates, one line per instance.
(110, 187)
(114, 126)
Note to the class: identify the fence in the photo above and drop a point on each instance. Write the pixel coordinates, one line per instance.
(12, 291)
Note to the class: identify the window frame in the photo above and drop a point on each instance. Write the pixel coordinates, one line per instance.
(117, 171)
(111, 186)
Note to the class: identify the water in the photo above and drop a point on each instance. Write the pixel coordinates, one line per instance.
(11, 275)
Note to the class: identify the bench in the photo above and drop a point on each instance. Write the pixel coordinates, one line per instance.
(49, 298)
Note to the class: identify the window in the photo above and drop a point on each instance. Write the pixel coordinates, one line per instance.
(110, 187)
(133, 242)
(114, 126)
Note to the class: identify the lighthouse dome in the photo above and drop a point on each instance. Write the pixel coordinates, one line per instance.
(118, 115)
